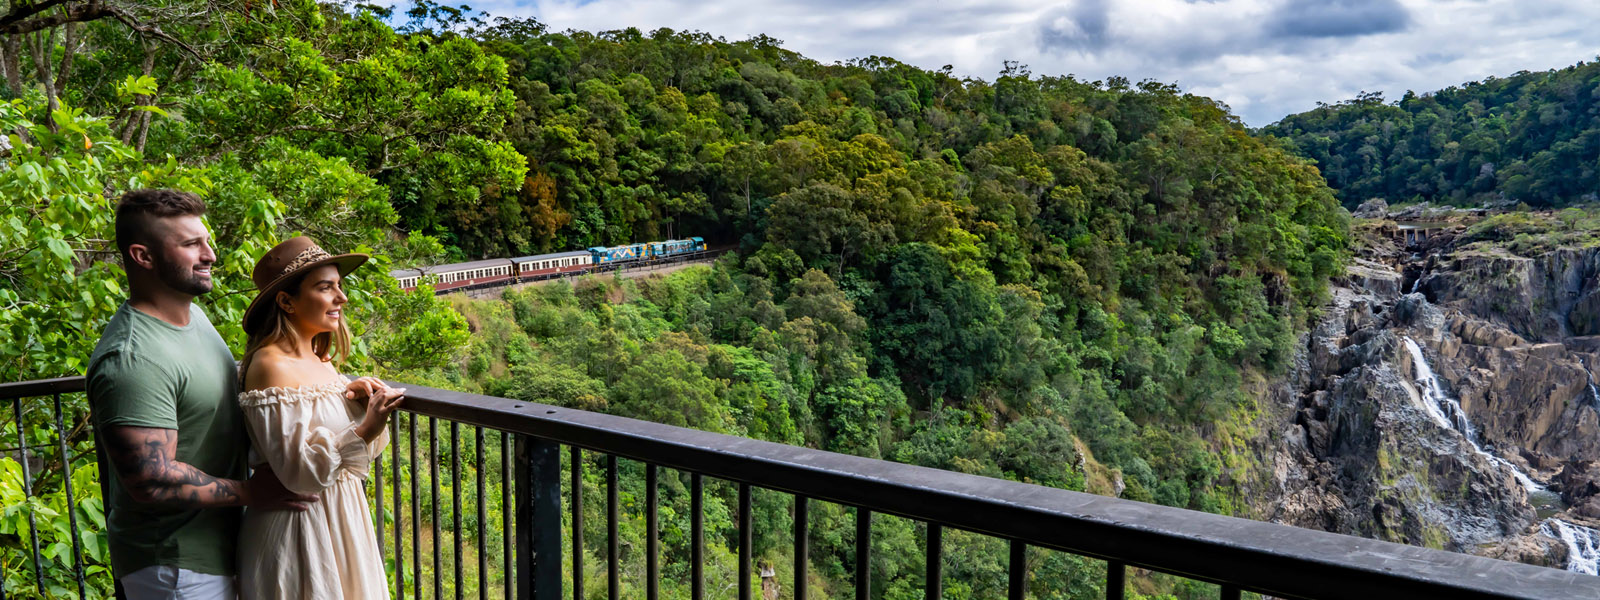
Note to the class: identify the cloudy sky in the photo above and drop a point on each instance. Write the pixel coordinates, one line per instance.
(1264, 58)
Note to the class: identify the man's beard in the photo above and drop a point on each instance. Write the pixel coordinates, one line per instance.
(183, 279)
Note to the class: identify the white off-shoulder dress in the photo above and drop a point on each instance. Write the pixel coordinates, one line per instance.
(307, 435)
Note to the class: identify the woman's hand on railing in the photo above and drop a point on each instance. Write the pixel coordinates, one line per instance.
(382, 400)
(361, 388)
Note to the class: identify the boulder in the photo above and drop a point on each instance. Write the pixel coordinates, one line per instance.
(1375, 208)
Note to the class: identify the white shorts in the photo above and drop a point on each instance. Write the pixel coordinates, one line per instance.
(172, 583)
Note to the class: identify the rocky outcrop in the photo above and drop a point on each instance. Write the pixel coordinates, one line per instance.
(1584, 318)
(1533, 549)
(1543, 299)
(1375, 208)
(1362, 455)
(1506, 339)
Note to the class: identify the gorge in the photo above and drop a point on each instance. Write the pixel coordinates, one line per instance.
(1444, 399)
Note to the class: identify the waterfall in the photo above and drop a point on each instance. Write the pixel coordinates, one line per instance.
(1449, 414)
(1594, 395)
(1416, 284)
(1440, 405)
(1583, 545)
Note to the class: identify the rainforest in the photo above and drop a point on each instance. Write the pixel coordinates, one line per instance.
(1102, 286)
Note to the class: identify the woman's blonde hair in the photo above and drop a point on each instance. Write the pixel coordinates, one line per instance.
(277, 329)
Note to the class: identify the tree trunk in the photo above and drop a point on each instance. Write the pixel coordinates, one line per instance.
(11, 63)
(43, 49)
(139, 121)
(144, 130)
(69, 50)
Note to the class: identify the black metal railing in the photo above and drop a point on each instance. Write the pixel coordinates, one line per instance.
(1237, 554)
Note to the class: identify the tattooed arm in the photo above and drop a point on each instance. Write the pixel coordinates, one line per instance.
(146, 462)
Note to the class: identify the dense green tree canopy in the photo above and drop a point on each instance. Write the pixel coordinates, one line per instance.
(1529, 138)
(1038, 277)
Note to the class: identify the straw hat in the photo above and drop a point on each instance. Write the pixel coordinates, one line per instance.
(282, 263)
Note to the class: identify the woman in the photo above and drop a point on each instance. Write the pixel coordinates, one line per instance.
(316, 429)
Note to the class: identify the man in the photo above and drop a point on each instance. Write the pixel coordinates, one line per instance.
(164, 389)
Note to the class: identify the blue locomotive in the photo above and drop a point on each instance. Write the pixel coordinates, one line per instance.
(605, 255)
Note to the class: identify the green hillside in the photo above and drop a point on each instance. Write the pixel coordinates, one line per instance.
(1529, 138)
(1080, 284)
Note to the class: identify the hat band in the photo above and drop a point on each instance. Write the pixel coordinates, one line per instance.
(310, 255)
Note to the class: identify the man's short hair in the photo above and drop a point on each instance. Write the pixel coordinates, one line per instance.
(138, 211)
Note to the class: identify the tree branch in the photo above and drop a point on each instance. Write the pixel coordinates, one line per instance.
(153, 31)
(29, 19)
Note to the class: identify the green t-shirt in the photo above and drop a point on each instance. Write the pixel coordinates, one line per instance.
(147, 373)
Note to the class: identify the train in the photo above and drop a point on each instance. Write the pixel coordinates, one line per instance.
(505, 271)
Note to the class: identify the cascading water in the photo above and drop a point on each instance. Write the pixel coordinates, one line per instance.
(1594, 395)
(1583, 543)
(1440, 405)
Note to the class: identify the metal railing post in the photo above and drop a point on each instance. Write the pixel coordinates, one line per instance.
(538, 519)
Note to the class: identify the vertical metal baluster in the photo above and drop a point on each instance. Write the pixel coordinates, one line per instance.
(652, 568)
(863, 553)
(399, 529)
(935, 585)
(577, 523)
(1019, 571)
(455, 504)
(1116, 579)
(697, 551)
(416, 514)
(745, 538)
(27, 491)
(507, 560)
(72, 504)
(105, 492)
(1231, 592)
(483, 519)
(802, 550)
(538, 523)
(433, 485)
(613, 583)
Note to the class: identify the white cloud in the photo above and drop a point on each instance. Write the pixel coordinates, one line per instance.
(1264, 58)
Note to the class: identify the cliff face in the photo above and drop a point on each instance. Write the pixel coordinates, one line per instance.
(1549, 298)
(1363, 455)
(1444, 417)
(1521, 337)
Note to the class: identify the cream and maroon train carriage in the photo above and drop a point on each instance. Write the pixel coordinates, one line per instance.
(457, 275)
(500, 271)
(545, 266)
(495, 271)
